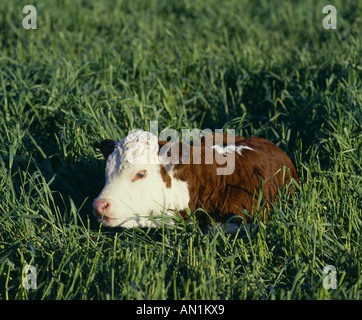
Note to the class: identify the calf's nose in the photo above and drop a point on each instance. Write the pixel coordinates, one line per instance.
(100, 206)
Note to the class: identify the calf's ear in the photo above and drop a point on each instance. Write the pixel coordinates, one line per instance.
(106, 147)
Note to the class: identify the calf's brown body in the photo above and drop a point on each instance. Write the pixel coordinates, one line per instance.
(225, 196)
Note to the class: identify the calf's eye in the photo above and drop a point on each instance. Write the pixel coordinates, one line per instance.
(139, 175)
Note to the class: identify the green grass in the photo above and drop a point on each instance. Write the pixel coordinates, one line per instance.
(94, 70)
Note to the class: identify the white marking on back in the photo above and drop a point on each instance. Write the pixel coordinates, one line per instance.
(230, 149)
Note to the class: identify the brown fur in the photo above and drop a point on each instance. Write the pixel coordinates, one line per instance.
(165, 176)
(224, 196)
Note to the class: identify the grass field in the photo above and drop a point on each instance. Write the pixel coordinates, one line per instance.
(96, 69)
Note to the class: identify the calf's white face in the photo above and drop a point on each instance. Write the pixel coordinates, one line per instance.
(134, 189)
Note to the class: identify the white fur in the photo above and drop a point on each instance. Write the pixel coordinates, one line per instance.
(230, 148)
(133, 203)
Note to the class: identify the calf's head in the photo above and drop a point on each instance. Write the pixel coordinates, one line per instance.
(137, 184)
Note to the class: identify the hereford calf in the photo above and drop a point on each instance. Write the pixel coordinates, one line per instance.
(146, 177)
